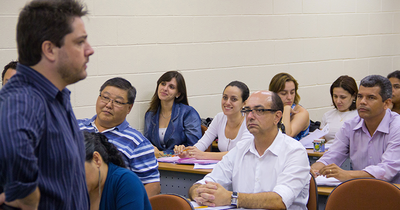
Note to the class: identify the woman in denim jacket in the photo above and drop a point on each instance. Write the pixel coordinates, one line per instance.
(170, 120)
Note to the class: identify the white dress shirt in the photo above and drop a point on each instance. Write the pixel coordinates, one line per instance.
(283, 168)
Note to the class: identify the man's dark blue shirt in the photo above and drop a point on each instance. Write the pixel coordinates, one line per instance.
(40, 143)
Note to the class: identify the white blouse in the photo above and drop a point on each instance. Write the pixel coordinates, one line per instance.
(335, 119)
(217, 129)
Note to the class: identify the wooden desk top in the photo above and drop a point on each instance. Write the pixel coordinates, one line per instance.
(327, 190)
(311, 153)
(184, 168)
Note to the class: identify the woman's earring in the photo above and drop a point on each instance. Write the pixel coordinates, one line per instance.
(99, 182)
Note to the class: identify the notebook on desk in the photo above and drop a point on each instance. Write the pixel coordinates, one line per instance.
(185, 160)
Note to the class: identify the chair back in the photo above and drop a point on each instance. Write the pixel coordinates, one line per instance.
(312, 203)
(364, 193)
(203, 130)
(170, 202)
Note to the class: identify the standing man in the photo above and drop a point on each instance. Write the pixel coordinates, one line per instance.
(9, 70)
(42, 153)
(114, 103)
(269, 172)
(371, 140)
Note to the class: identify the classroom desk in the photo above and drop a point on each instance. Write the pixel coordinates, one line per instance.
(178, 178)
(314, 156)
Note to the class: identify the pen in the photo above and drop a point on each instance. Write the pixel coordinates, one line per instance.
(200, 207)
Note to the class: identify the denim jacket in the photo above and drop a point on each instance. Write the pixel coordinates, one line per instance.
(183, 128)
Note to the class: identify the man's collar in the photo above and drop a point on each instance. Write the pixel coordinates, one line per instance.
(273, 148)
(41, 82)
(382, 127)
(119, 127)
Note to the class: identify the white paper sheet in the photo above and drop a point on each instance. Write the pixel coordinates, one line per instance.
(317, 134)
(197, 206)
(202, 166)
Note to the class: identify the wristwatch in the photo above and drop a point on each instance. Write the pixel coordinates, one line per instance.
(234, 199)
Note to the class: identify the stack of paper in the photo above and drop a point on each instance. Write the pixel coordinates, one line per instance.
(323, 181)
(307, 141)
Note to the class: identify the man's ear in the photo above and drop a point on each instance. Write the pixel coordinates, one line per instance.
(278, 116)
(130, 108)
(49, 50)
(387, 103)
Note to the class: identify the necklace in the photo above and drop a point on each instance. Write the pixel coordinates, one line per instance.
(166, 117)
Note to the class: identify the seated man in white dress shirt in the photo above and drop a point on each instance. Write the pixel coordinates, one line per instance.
(269, 172)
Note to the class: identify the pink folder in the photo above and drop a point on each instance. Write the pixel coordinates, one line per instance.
(185, 160)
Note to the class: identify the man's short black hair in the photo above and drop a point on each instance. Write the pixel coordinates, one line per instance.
(380, 81)
(11, 65)
(44, 20)
(123, 84)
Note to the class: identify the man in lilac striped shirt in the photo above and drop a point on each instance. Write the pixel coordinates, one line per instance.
(371, 140)
(42, 152)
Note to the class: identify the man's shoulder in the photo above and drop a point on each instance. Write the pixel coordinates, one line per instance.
(291, 143)
(83, 121)
(22, 94)
(244, 145)
(352, 123)
(131, 135)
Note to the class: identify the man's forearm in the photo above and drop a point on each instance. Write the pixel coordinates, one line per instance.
(30, 202)
(264, 200)
(359, 174)
(152, 189)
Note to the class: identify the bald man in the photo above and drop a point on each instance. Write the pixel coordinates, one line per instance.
(270, 171)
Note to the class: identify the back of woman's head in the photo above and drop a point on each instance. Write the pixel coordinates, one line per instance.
(98, 142)
(278, 83)
(242, 87)
(348, 84)
(181, 87)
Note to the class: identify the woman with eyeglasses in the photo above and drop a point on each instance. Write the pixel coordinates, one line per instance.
(229, 126)
(170, 120)
(343, 93)
(110, 185)
(295, 118)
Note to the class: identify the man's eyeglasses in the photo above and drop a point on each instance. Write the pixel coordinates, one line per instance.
(107, 100)
(257, 112)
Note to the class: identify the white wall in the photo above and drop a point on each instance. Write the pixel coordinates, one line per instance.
(212, 42)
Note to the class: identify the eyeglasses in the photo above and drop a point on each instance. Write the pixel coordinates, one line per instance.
(107, 100)
(257, 112)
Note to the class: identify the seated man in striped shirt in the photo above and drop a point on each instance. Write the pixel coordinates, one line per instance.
(114, 103)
